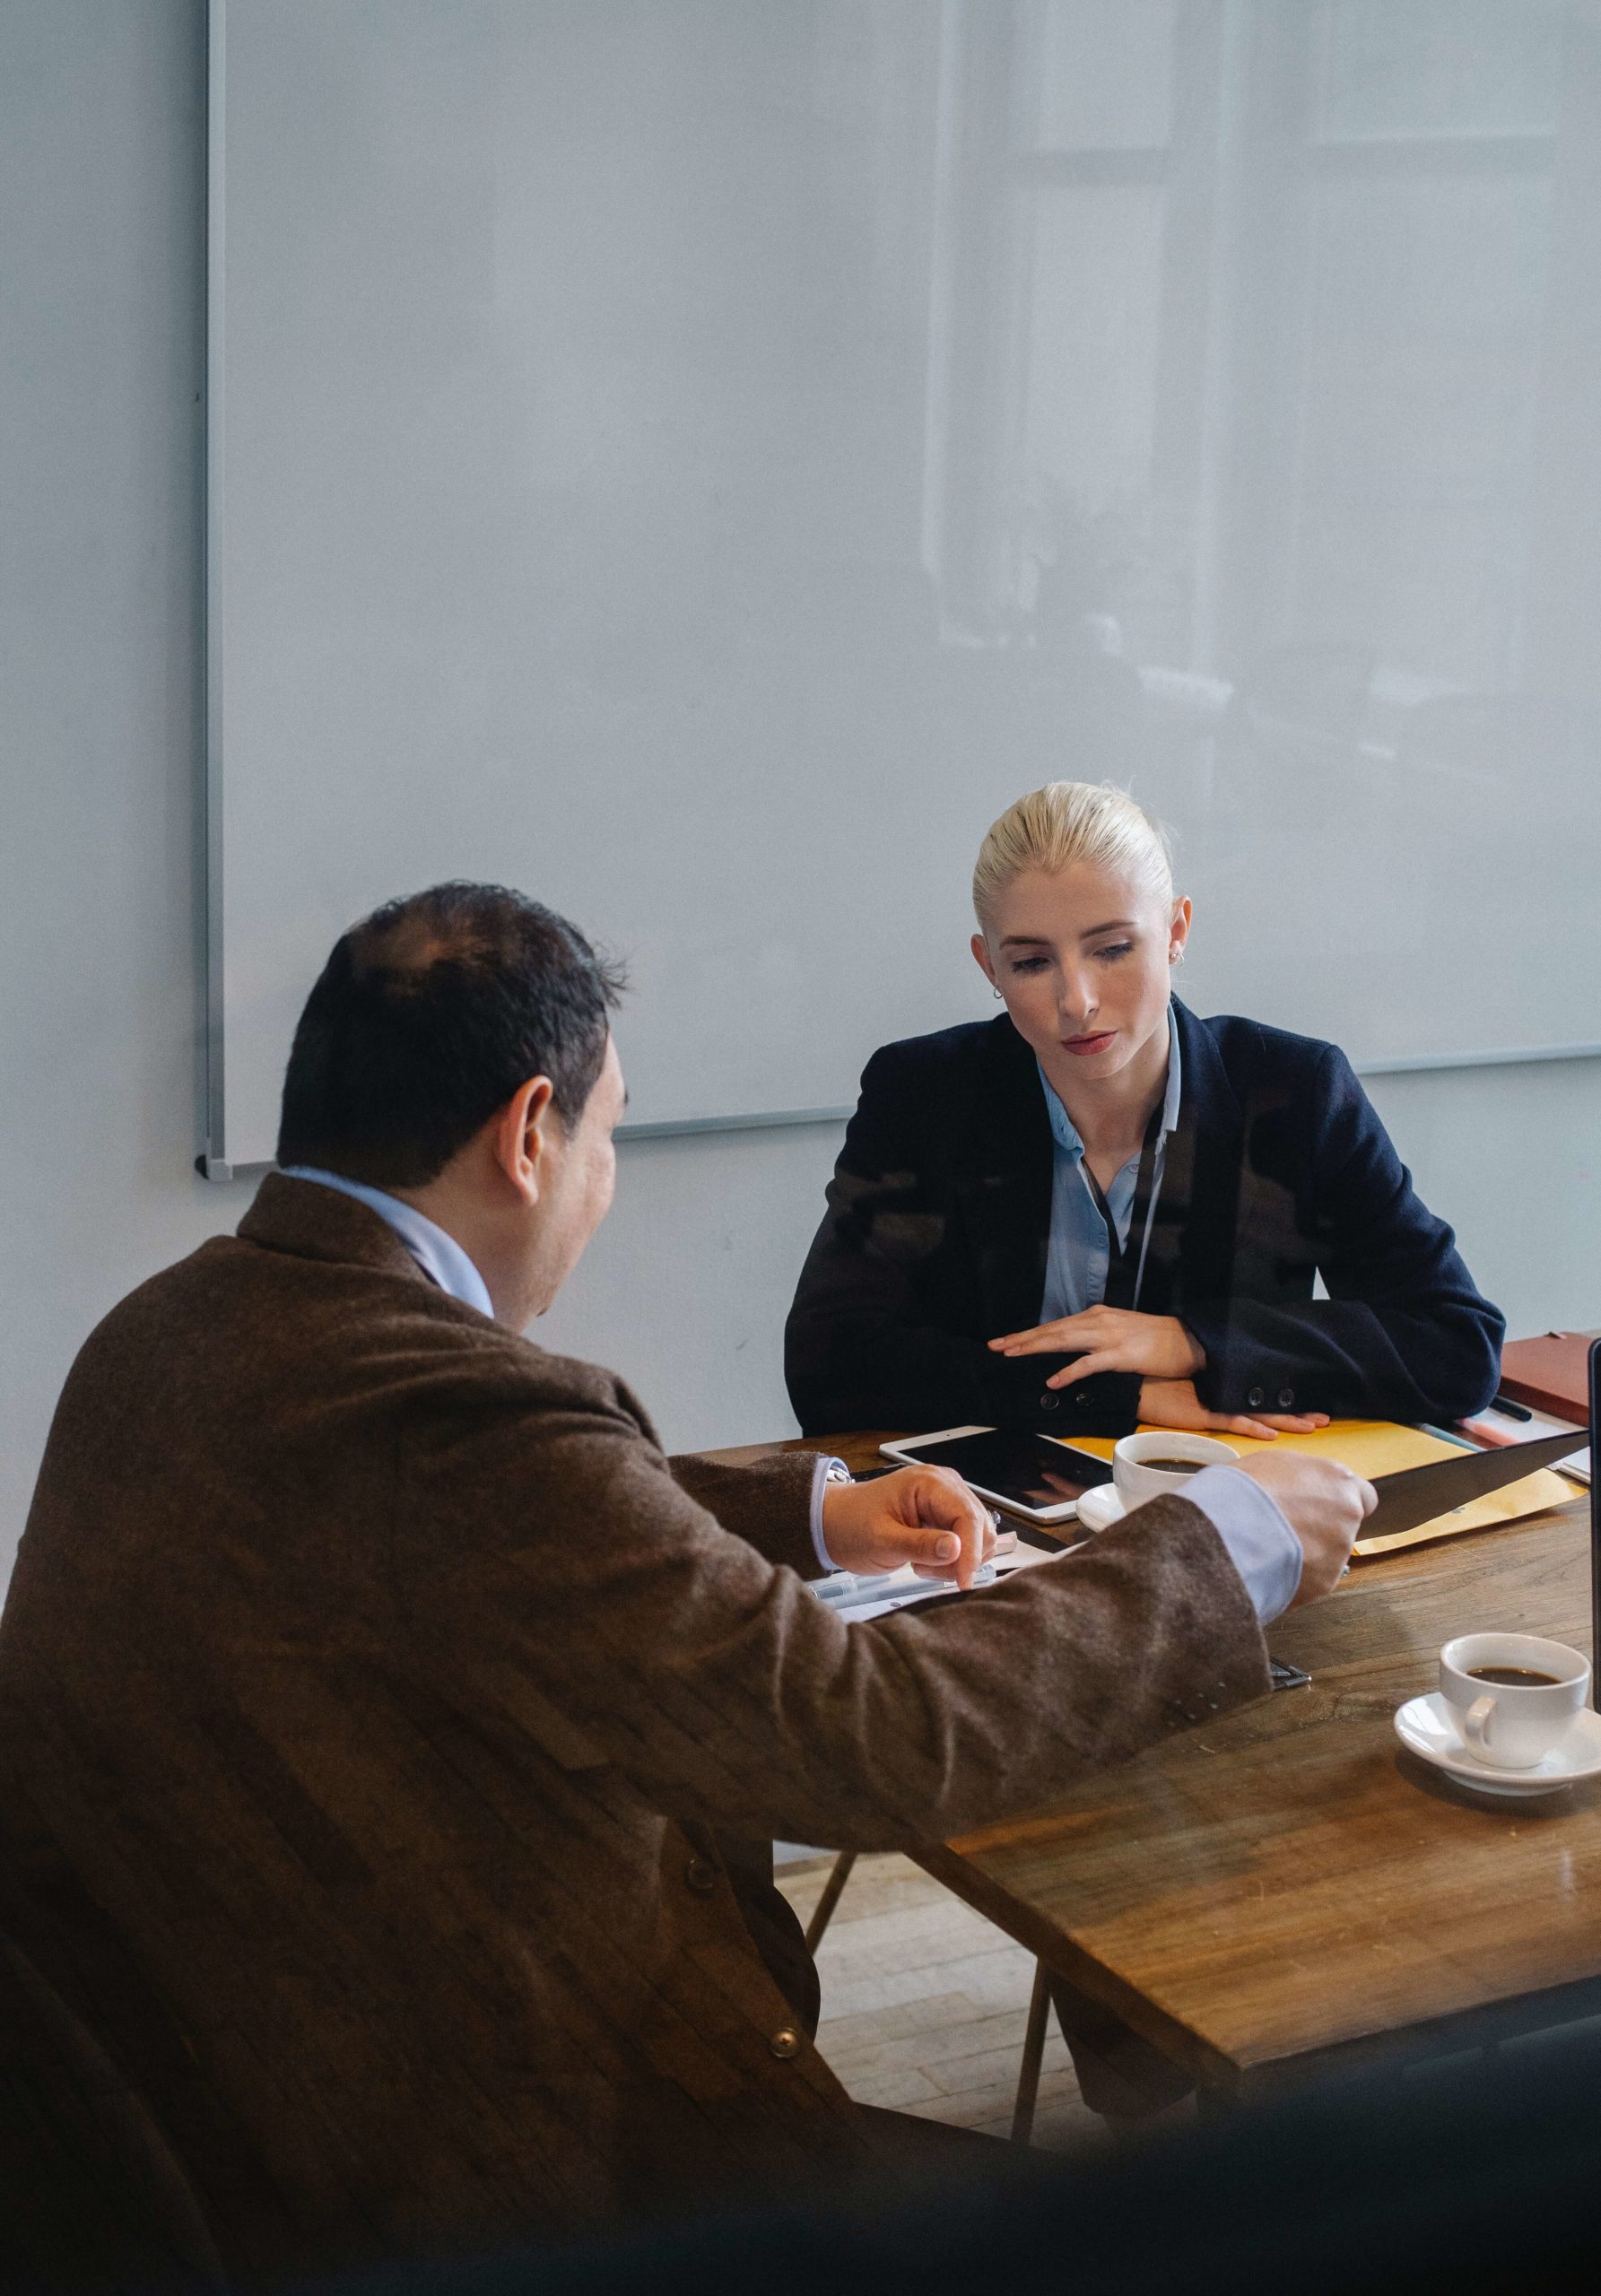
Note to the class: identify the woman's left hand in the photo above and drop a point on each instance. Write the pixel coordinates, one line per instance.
(1174, 1403)
(1113, 1339)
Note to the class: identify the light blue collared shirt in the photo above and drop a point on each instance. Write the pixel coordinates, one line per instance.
(1079, 1254)
(443, 1261)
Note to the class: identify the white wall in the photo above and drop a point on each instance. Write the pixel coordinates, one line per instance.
(1512, 1158)
(101, 371)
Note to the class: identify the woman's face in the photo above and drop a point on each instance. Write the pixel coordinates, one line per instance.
(1083, 957)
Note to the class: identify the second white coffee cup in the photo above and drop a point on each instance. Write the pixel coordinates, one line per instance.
(1513, 1697)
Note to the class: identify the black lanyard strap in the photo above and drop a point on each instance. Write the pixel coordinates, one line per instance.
(1123, 1276)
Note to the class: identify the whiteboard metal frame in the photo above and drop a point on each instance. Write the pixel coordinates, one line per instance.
(215, 1168)
(212, 1162)
(1422, 1064)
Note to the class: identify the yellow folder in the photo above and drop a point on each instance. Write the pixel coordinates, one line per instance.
(1372, 1447)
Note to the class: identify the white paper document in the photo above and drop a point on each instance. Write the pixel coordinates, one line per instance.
(860, 1596)
(1498, 1427)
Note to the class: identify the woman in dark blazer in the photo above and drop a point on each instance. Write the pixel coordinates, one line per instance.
(1098, 1208)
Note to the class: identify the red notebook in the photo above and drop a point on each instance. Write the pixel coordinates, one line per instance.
(1551, 1373)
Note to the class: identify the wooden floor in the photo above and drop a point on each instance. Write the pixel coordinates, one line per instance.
(924, 2004)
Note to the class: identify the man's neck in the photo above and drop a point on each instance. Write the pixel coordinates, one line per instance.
(453, 1209)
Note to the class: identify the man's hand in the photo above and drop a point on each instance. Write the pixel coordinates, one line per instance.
(1112, 1339)
(925, 1516)
(1174, 1403)
(1325, 1505)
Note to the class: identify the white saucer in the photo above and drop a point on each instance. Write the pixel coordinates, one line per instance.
(1100, 1508)
(1425, 1727)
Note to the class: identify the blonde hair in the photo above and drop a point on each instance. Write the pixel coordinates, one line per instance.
(1068, 821)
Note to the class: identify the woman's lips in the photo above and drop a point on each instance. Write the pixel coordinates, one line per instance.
(1085, 1045)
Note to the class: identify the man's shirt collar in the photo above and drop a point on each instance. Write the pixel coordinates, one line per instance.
(439, 1257)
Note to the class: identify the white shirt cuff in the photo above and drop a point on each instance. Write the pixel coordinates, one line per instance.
(819, 1484)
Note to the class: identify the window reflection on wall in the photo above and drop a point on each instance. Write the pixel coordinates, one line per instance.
(1269, 343)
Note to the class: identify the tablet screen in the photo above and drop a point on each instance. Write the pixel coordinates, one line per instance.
(1023, 1467)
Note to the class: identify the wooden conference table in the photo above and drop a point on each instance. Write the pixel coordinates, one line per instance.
(1286, 1890)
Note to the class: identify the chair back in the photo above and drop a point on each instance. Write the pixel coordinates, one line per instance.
(91, 2197)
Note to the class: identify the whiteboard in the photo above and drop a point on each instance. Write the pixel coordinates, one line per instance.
(698, 460)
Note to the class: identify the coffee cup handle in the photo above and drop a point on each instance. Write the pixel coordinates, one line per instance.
(1475, 1725)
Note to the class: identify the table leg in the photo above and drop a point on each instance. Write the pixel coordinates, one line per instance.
(822, 1912)
(1034, 2050)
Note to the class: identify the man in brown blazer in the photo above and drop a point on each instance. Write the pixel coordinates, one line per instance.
(380, 1711)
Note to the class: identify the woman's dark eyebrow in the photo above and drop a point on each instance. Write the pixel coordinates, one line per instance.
(1118, 924)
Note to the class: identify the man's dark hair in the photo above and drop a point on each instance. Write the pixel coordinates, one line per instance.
(427, 1018)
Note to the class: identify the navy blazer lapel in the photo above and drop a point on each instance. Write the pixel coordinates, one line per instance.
(1207, 1091)
(1006, 1182)
(1193, 1241)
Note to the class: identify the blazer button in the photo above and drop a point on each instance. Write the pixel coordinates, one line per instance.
(1286, 1398)
(785, 2042)
(1255, 1399)
(1049, 1400)
(701, 1875)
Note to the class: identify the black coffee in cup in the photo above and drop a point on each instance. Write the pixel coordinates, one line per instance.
(1509, 1677)
(1175, 1467)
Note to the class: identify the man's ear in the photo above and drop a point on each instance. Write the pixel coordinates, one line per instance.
(520, 1137)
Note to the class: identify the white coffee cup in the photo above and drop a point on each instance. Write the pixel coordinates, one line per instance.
(1512, 1725)
(1137, 1479)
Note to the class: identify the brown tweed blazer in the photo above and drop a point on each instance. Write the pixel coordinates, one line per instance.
(373, 1695)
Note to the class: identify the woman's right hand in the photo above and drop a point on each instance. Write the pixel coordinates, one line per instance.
(1174, 1403)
